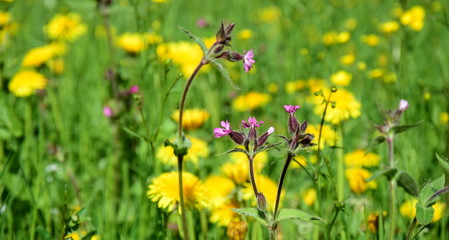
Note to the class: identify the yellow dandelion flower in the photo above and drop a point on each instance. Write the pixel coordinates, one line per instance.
(444, 118)
(341, 78)
(328, 135)
(373, 222)
(153, 38)
(294, 86)
(238, 168)
(407, 209)
(439, 211)
(361, 66)
(266, 186)
(376, 73)
(223, 215)
(343, 37)
(5, 18)
(389, 27)
(56, 65)
(426, 96)
(371, 40)
(159, 1)
(65, 27)
(359, 158)
(269, 14)
(390, 78)
(414, 18)
(131, 42)
(250, 101)
(218, 189)
(72, 236)
(357, 180)
(26, 82)
(39, 55)
(197, 150)
(273, 87)
(192, 118)
(346, 106)
(351, 24)
(237, 230)
(164, 189)
(309, 196)
(186, 55)
(316, 85)
(347, 59)
(330, 38)
(245, 34)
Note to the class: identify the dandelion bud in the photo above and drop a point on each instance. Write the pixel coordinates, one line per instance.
(237, 137)
(261, 202)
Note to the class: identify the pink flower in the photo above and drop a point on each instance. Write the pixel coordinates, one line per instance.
(226, 130)
(133, 89)
(248, 60)
(403, 105)
(291, 108)
(252, 122)
(202, 23)
(107, 111)
(270, 130)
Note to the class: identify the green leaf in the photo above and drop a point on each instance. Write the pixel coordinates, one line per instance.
(224, 73)
(402, 128)
(286, 214)
(408, 183)
(43, 233)
(89, 235)
(429, 189)
(236, 150)
(443, 161)
(424, 214)
(390, 173)
(374, 143)
(252, 212)
(196, 39)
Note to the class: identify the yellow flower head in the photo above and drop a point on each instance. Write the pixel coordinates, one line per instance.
(153, 38)
(218, 189)
(131, 42)
(237, 230)
(309, 196)
(316, 85)
(192, 118)
(444, 118)
(328, 135)
(389, 27)
(65, 27)
(197, 150)
(238, 169)
(39, 55)
(294, 86)
(186, 55)
(341, 78)
(359, 158)
(250, 101)
(266, 186)
(56, 65)
(330, 38)
(269, 14)
(348, 59)
(346, 107)
(376, 73)
(439, 209)
(245, 34)
(26, 82)
(164, 189)
(357, 180)
(72, 236)
(408, 209)
(343, 37)
(371, 40)
(414, 18)
(223, 215)
(5, 18)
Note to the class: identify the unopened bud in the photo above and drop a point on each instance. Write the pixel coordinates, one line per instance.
(252, 134)
(237, 137)
(293, 124)
(403, 105)
(261, 202)
(262, 139)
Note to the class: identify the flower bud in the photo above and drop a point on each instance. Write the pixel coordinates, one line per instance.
(403, 105)
(237, 137)
(252, 134)
(262, 139)
(261, 202)
(293, 124)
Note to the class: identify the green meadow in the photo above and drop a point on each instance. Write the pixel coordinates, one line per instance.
(90, 93)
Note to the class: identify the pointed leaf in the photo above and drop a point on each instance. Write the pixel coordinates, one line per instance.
(405, 127)
(443, 161)
(429, 189)
(224, 73)
(252, 212)
(236, 150)
(286, 214)
(424, 215)
(375, 142)
(408, 183)
(390, 173)
(196, 39)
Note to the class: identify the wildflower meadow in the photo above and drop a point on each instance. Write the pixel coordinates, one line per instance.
(192, 119)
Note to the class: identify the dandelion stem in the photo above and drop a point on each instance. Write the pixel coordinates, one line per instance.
(392, 189)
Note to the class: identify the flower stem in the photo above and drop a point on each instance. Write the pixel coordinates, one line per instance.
(281, 182)
(251, 175)
(392, 188)
(181, 199)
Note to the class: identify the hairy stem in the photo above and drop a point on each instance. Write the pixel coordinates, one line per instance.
(281, 182)
(392, 188)
(251, 176)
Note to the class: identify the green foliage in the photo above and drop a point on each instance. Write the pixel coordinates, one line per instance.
(408, 183)
(424, 210)
(287, 214)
